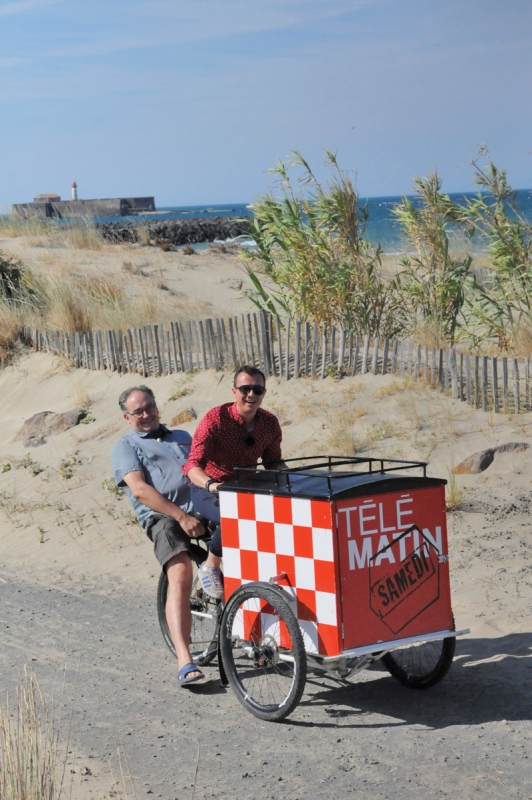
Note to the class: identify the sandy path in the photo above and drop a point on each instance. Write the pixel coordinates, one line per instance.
(468, 735)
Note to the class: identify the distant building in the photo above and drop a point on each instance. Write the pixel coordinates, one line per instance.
(51, 205)
(47, 198)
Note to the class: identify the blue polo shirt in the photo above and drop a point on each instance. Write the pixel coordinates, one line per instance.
(161, 460)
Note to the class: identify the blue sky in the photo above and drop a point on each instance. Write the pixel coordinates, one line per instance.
(192, 100)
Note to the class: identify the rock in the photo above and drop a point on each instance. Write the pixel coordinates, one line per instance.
(187, 415)
(46, 423)
(34, 441)
(478, 462)
(512, 447)
(176, 231)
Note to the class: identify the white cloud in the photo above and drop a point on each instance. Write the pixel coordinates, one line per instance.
(206, 19)
(182, 22)
(11, 62)
(106, 47)
(24, 5)
(279, 10)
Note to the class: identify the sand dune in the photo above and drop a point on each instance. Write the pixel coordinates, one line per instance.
(62, 514)
(195, 284)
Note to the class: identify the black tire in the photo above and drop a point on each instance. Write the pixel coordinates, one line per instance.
(267, 675)
(423, 665)
(204, 634)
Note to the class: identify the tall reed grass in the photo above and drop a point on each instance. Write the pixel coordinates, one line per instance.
(499, 310)
(432, 283)
(311, 245)
(32, 767)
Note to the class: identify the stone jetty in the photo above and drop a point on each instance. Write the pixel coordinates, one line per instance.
(175, 231)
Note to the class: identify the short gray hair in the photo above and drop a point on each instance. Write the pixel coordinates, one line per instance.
(122, 400)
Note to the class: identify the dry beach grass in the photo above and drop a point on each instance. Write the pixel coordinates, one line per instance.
(117, 285)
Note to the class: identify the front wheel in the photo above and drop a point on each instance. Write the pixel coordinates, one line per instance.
(262, 652)
(419, 666)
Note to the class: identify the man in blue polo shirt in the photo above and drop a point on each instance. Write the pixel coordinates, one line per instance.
(148, 461)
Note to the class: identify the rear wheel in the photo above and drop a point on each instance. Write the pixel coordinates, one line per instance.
(205, 615)
(422, 665)
(262, 652)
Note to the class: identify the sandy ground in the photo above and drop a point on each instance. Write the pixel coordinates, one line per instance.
(77, 594)
(200, 284)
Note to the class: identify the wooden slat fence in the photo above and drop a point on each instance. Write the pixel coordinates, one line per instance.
(288, 349)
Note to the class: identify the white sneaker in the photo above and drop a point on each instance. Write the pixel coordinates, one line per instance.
(211, 581)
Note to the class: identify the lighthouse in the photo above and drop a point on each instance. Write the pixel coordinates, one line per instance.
(74, 191)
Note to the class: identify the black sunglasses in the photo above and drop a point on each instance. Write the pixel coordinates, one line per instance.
(249, 441)
(256, 388)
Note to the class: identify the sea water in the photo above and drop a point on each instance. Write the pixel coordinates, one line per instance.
(382, 227)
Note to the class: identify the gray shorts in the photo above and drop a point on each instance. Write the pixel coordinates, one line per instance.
(168, 537)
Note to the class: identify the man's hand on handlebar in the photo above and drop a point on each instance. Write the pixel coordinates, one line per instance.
(192, 527)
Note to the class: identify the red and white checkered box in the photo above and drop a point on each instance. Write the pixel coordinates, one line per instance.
(264, 536)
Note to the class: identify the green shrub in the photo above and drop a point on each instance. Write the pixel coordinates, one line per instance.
(501, 308)
(432, 283)
(11, 278)
(311, 248)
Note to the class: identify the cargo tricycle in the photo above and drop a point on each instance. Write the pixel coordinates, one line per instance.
(330, 563)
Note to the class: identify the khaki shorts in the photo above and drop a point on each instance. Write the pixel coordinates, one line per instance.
(168, 537)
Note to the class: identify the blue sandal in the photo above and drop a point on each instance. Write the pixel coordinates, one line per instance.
(187, 669)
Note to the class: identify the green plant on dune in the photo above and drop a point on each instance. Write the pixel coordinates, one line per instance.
(501, 308)
(432, 283)
(12, 283)
(13, 289)
(311, 246)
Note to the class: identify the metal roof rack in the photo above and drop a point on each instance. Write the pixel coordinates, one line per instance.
(327, 476)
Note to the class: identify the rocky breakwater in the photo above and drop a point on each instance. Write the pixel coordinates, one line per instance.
(175, 231)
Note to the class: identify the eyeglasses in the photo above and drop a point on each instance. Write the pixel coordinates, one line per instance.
(256, 388)
(139, 412)
(249, 441)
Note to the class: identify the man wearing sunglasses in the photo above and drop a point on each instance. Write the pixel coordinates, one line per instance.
(149, 463)
(232, 435)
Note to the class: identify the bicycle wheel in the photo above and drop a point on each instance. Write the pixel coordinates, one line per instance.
(262, 652)
(422, 665)
(205, 616)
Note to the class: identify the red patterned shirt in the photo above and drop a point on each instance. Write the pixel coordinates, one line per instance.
(221, 442)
